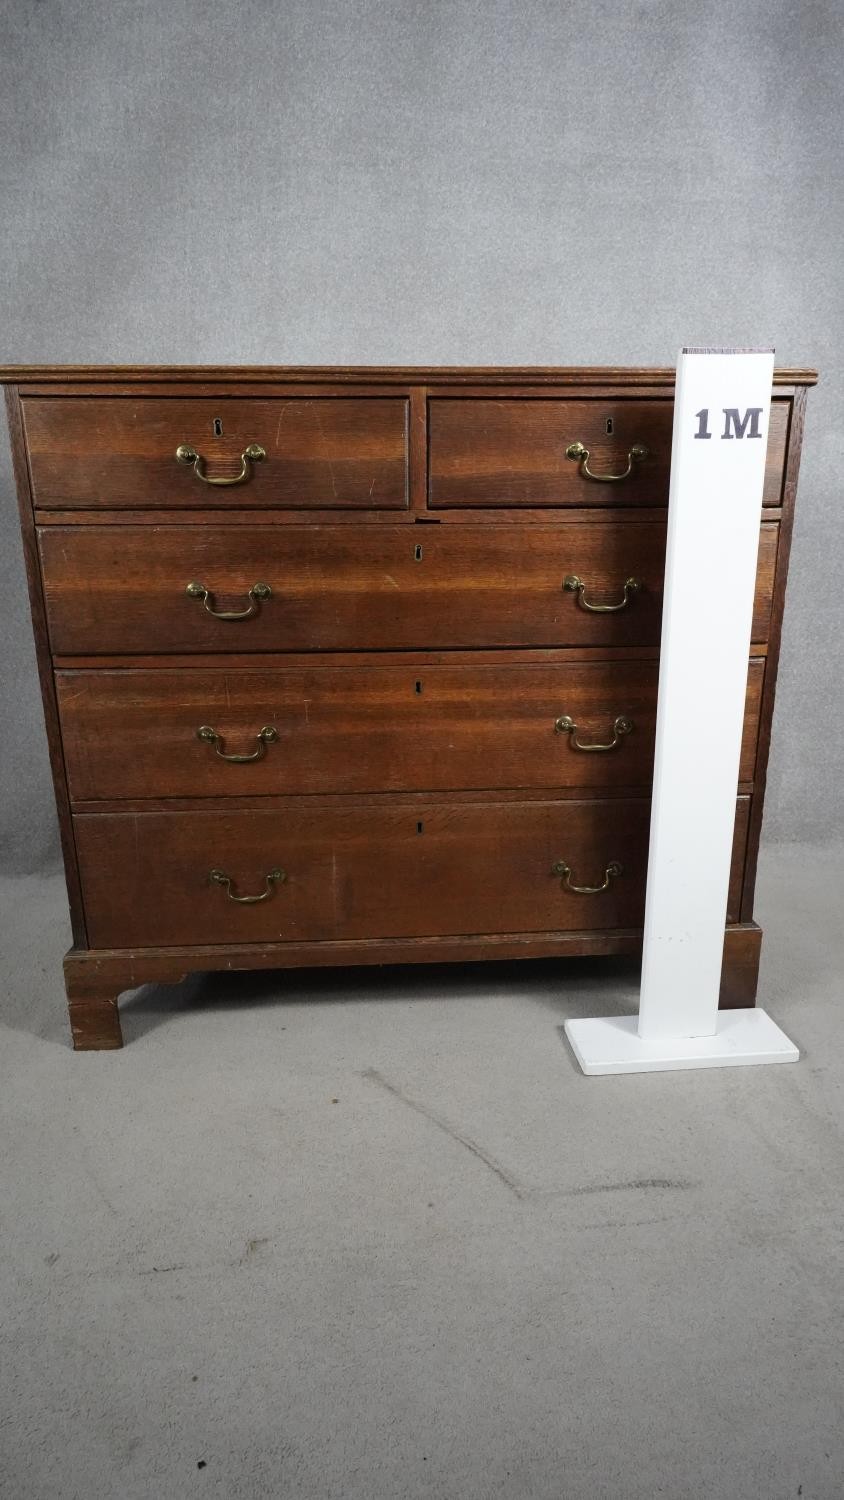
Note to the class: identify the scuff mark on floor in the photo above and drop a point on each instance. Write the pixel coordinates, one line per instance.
(252, 1248)
(450, 1130)
(639, 1184)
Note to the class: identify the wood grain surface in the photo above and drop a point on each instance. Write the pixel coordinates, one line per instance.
(323, 451)
(122, 589)
(365, 873)
(513, 453)
(415, 526)
(359, 728)
(58, 377)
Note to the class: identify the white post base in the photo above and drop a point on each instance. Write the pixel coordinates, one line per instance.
(612, 1044)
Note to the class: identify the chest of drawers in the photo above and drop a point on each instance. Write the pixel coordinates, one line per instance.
(359, 666)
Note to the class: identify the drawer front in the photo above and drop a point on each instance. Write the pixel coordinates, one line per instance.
(374, 872)
(124, 589)
(514, 452)
(319, 451)
(167, 733)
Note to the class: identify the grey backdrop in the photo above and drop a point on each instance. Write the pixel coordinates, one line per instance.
(433, 181)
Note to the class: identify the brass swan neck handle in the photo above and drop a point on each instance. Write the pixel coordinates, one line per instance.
(577, 586)
(271, 879)
(266, 736)
(256, 596)
(612, 870)
(580, 454)
(253, 454)
(621, 726)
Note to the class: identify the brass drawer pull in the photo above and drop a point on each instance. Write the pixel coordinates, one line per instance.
(580, 454)
(257, 594)
(274, 877)
(563, 870)
(621, 726)
(266, 736)
(576, 585)
(185, 454)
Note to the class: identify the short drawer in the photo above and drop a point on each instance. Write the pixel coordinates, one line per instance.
(216, 733)
(332, 452)
(164, 879)
(116, 589)
(530, 452)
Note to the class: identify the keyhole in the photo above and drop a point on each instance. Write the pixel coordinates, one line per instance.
(218, 427)
(609, 425)
(417, 552)
(420, 827)
(418, 686)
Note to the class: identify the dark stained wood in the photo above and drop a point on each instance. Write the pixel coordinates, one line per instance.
(123, 590)
(418, 453)
(414, 823)
(366, 728)
(524, 656)
(776, 452)
(381, 873)
(203, 375)
(92, 1008)
(119, 969)
(374, 873)
(321, 451)
(365, 799)
(513, 453)
(740, 972)
(760, 774)
(104, 974)
(48, 696)
(358, 520)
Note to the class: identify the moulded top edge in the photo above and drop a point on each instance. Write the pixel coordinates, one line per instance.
(574, 375)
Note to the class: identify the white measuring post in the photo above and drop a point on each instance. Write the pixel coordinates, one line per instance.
(722, 404)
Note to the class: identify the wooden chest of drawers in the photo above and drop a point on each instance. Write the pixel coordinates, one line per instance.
(360, 665)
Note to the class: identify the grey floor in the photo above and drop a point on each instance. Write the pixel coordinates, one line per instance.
(372, 1235)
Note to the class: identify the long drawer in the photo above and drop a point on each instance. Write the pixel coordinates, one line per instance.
(333, 452)
(542, 451)
(164, 879)
(224, 732)
(114, 589)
